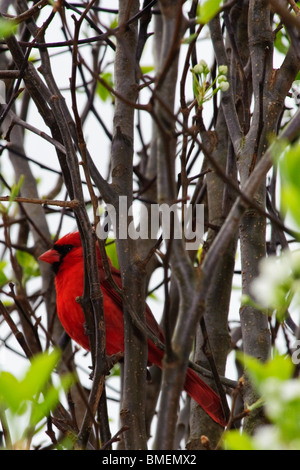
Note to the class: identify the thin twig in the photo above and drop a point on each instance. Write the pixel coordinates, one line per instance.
(28, 13)
(45, 202)
(115, 438)
(17, 333)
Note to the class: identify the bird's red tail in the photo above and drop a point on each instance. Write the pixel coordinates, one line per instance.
(204, 396)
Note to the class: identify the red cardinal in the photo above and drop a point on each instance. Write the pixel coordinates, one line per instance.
(66, 258)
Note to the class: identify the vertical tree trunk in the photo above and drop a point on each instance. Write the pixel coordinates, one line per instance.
(133, 399)
(217, 345)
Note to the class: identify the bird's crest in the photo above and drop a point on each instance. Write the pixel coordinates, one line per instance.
(72, 238)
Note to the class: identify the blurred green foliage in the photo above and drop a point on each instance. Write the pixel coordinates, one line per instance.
(26, 402)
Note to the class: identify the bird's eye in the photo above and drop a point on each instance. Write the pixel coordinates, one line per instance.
(63, 250)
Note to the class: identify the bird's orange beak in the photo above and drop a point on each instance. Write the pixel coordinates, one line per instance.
(50, 256)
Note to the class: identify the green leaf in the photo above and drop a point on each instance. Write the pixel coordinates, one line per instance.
(153, 296)
(67, 443)
(111, 251)
(10, 392)
(50, 400)
(15, 189)
(147, 68)
(234, 440)
(3, 277)
(102, 91)
(3, 209)
(32, 398)
(7, 28)
(39, 373)
(189, 39)
(281, 42)
(280, 367)
(289, 169)
(207, 10)
(290, 199)
(29, 265)
(282, 406)
(115, 371)
(114, 23)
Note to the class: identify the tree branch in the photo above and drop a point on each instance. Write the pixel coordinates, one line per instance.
(44, 202)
